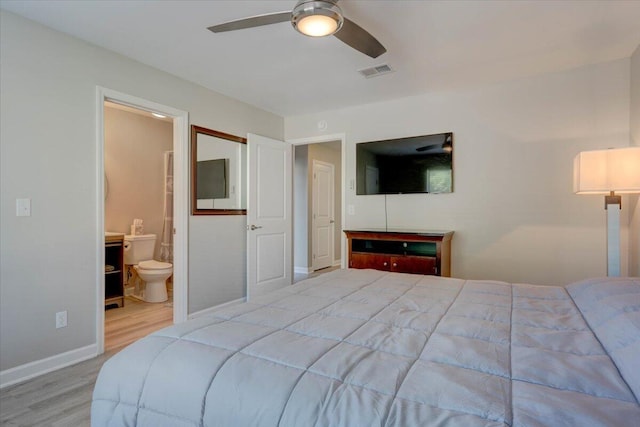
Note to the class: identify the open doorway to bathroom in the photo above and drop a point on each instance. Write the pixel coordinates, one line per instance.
(138, 221)
(317, 202)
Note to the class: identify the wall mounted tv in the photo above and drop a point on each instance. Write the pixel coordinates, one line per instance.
(418, 164)
(212, 179)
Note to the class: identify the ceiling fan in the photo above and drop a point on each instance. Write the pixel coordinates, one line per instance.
(439, 146)
(317, 18)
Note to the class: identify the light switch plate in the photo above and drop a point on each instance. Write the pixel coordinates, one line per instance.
(61, 319)
(23, 207)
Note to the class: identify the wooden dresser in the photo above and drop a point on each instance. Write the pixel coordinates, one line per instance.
(421, 252)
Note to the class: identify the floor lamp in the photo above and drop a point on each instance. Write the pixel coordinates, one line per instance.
(608, 172)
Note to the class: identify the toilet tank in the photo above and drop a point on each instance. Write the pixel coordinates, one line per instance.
(139, 248)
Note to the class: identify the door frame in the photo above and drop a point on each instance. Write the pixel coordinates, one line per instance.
(180, 201)
(313, 234)
(342, 137)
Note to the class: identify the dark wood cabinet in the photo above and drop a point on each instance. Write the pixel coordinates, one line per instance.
(401, 251)
(113, 270)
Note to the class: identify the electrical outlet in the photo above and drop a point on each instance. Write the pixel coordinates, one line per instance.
(351, 209)
(61, 319)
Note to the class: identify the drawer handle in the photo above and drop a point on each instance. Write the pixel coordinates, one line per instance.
(385, 264)
(395, 264)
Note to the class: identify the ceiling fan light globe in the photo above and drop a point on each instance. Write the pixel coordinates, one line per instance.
(317, 18)
(317, 26)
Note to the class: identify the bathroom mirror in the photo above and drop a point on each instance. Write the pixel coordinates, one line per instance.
(218, 173)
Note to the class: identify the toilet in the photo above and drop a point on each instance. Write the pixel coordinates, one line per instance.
(138, 253)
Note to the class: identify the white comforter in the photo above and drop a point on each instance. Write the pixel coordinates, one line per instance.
(369, 348)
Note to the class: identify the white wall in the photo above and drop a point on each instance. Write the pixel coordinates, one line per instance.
(48, 153)
(134, 147)
(513, 211)
(634, 205)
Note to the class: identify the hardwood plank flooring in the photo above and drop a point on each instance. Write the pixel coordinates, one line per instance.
(59, 399)
(63, 398)
(136, 319)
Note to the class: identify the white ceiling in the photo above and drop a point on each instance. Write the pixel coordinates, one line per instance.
(431, 45)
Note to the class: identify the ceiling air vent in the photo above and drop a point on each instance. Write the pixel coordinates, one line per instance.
(378, 70)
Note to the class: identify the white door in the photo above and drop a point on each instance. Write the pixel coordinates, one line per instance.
(269, 215)
(322, 221)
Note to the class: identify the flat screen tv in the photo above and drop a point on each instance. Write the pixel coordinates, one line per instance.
(418, 164)
(212, 179)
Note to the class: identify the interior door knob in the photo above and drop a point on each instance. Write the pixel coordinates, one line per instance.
(255, 227)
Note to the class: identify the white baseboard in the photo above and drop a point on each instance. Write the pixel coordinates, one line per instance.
(210, 310)
(302, 270)
(337, 263)
(39, 367)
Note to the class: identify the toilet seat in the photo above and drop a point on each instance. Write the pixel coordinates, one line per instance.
(154, 265)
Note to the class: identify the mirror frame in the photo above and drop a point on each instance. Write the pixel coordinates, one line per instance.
(195, 130)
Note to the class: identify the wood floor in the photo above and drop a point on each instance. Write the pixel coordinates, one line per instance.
(136, 319)
(63, 398)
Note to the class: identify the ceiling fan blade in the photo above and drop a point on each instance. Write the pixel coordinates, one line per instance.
(254, 21)
(445, 146)
(426, 148)
(359, 39)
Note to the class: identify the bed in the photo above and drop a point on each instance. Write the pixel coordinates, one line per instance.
(371, 348)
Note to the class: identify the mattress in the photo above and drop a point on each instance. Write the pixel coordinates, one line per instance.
(372, 348)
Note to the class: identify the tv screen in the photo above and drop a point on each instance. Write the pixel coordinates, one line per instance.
(212, 179)
(418, 164)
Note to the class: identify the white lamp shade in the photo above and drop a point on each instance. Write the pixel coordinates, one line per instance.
(603, 171)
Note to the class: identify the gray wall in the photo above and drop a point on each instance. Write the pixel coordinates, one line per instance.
(134, 147)
(48, 261)
(513, 211)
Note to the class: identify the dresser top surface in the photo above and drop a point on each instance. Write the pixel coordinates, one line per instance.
(396, 231)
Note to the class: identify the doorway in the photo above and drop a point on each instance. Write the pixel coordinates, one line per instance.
(138, 159)
(179, 146)
(318, 206)
(322, 214)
